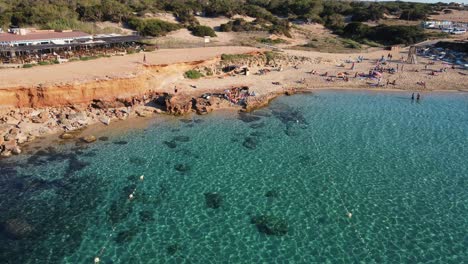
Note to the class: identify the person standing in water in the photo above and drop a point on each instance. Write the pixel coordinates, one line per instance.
(412, 97)
(418, 97)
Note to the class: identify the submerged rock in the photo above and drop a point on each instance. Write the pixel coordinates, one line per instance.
(257, 125)
(270, 225)
(170, 144)
(104, 138)
(213, 200)
(181, 139)
(248, 118)
(17, 228)
(137, 161)
(121, 142)
(186, 121)
(173, 249)
(182, 167)
(272, 194)
(288, 115)
(146, 216)
(250, 143)
(126, 235)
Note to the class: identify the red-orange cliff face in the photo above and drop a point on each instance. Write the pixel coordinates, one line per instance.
(151, 79)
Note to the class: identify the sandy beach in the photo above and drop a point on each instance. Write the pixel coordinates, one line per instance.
(58, 98)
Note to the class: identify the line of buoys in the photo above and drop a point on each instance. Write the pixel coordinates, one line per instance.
(131, 196)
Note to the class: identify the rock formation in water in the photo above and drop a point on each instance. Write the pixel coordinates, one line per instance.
(270, 225)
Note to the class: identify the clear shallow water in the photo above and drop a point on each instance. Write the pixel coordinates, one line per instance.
(399, 167)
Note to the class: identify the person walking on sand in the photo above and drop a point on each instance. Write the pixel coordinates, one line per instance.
(352, 67)
(175, 89)
(144, 58)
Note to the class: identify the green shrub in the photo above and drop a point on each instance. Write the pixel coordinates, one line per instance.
(310, 45)
(383, 34)
(152, 27)
(272, 41)
(28, 65)
(42, 63)
(193, 74)
(202, 31)
(349, 43)
(370, 43)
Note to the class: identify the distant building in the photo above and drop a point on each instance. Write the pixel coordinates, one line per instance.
(26, 37)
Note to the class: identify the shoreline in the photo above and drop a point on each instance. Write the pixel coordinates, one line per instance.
(150, 92)
(135, 123)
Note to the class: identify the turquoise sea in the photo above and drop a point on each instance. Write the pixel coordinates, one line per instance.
(330, 177)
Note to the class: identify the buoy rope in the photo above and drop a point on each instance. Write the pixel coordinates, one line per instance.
(131, 196)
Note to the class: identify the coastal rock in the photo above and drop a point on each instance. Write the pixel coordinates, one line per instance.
(6, 154)
(17, 228)
(89, 139)
(67, 136)
(40, 118)
(178, 105)
(101, 104)
(16, 150)
(270, 225)
(10, 144)
(105, 120)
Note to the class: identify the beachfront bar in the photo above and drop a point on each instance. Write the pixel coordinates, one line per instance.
(30, 50)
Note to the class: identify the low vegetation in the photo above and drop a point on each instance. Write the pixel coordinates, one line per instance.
(193, 74)
(202, 31)
(272, 16)
(383, 34)
(152, 27)
(235, 57)
(270, 41)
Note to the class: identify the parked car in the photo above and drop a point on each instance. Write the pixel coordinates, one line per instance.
(458, 31)
(447, 30)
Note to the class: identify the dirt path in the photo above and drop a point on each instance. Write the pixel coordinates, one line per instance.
(114, 67)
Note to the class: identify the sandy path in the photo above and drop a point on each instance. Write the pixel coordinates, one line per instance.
(117, 66)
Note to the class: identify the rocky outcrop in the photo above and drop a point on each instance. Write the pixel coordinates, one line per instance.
(20, 126)
(256, 59)
(178, 104)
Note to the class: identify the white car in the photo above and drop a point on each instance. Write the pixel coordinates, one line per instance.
(447, 30)
(458, 31)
